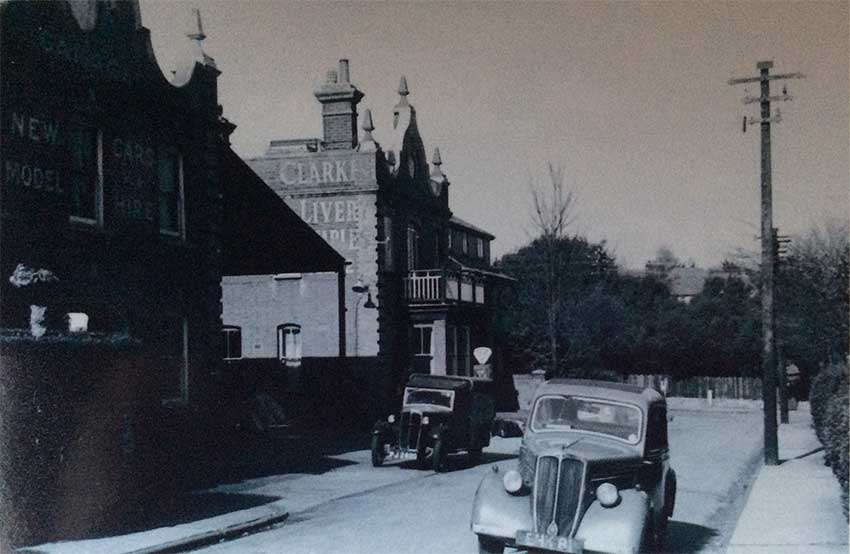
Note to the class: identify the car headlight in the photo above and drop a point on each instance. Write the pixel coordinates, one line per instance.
(391, 419)
(608, 495)
(425, 420)
(512, 481)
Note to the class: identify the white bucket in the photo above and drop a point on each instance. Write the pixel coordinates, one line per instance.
(78, 322)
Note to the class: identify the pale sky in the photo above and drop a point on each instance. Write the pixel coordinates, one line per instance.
(631, 98)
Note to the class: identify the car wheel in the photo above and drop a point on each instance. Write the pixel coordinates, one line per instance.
(378, 453)
(474, 456)
(439, 456)
(421, 454)
(489, 545)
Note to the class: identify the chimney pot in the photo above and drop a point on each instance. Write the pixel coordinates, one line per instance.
(344, 76)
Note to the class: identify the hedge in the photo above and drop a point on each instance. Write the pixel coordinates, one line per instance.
(829, 401)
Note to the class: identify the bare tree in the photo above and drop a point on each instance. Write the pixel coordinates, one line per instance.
(552, 213)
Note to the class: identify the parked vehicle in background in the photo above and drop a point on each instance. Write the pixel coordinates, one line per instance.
(440, 415)
(593, 474)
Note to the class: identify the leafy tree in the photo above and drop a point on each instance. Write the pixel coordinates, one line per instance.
(812, 298)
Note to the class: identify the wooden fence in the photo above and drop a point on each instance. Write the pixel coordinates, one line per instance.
(697, 387)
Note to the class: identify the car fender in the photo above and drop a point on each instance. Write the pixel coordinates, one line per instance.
(615, 530)
(440, 432)
(496, 513)
(382, 429)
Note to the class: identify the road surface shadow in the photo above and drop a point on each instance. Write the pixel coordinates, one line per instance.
(687, 538)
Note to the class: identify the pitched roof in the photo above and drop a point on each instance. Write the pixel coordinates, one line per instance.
(261, 234)
(458, 222)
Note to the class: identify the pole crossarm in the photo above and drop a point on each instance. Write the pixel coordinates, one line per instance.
(761, 78)
(754, 99)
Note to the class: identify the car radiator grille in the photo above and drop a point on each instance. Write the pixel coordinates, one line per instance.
(409, 430)
(557, 499)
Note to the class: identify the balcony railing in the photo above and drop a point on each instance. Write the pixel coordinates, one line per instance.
(437, 286)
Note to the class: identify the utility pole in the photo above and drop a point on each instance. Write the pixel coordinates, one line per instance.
(779, 252)
(768, 362)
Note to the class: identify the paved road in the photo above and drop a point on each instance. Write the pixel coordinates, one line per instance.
(398, 510)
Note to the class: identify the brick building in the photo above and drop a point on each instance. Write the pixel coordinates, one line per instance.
(417, 283)
(121, 204)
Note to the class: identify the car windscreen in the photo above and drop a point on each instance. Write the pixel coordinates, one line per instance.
(571, 413)
(434, 397)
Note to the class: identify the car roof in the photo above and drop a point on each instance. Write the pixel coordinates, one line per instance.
(449, 382)
(601, 389)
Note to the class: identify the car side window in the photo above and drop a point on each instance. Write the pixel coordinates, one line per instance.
(656, 429)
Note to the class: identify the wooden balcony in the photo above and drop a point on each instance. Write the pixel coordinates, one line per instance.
(437, 286)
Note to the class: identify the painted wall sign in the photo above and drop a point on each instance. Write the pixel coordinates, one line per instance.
(326, 170)
(337, 220)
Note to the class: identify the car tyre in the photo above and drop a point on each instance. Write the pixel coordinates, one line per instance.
(378, 453)
(489, 545)
(474, 456)
(439, 457)
(421, 454)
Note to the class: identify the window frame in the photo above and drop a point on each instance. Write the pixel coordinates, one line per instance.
(225, 331)
(97, 221)
(418, 339)
(181, 199)
(183, 398)
(289, 329)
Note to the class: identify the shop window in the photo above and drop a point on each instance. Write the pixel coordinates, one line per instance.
(412, 248)
(171, 344)
(85, 177)
(231, 342)
(289, 344)
(170, 174)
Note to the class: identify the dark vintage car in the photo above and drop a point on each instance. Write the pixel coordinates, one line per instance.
(593, 474)
(440, 415)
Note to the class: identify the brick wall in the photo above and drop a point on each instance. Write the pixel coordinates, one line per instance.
(259, 303)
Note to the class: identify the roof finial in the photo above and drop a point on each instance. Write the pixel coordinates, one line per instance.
(437, 177)
(199, 35)
(368, 143)
(403, 91)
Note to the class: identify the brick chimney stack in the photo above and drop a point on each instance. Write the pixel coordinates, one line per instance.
(339, 99)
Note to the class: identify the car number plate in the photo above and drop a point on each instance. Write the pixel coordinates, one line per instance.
(569, 545)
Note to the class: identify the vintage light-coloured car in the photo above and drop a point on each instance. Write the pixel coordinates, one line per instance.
(593, 474)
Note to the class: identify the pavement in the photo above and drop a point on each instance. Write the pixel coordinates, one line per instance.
(792, 508)
(795, 507)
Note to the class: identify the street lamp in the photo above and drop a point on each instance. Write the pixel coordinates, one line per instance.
(360, 289)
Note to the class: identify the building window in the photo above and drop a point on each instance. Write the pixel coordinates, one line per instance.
(86, 176)
(412, 248)
(171, 216)
(421, 346)
(479, 247)
(231, 342)
(171, 343)
(487, 251)
(388, 243)
(457, 350)
(289, 344)
(464, 243)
